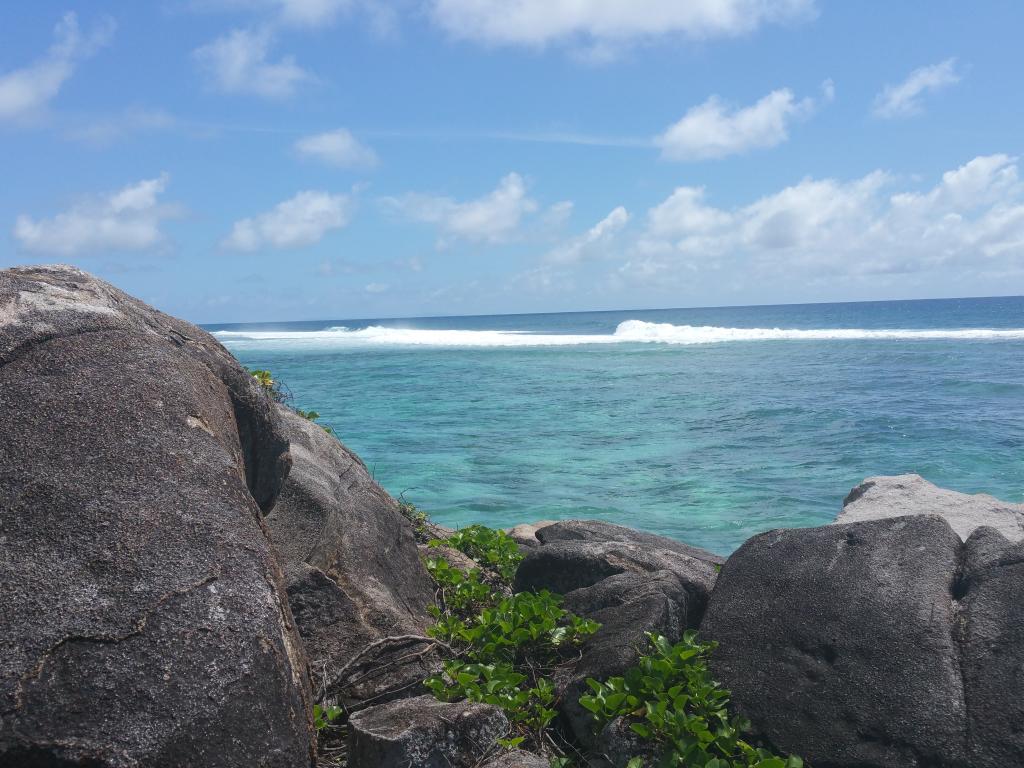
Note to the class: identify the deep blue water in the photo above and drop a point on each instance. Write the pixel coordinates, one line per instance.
(765, 418)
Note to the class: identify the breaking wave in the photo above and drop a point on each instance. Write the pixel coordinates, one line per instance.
(629, 331)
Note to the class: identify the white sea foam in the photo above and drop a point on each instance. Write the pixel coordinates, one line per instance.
(630, 331)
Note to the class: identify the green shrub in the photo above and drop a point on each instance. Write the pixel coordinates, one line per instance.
(460, 594)
(313, 416)
(324, 716)
(506, 645)
(669, 699)
(493, 549)
(523, 626)
(414, 515)
(274, 388)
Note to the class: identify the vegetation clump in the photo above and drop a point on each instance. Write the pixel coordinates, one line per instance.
(279, 393)
(670, 701)
(493, 549)
(416, 516)
(506, 647)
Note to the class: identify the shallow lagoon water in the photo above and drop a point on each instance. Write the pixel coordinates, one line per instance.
(708, 425)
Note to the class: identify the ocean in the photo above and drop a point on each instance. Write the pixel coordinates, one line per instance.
(707, 425)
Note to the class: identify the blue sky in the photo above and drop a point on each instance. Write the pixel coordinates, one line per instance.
(233, 160)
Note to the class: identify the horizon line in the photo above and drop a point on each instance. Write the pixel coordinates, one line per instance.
(608, 311)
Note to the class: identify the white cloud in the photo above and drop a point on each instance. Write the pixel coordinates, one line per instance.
(713, 129)
(299, 13)
(376, 287)
(127, 220)
(905, 99)
(237, 63)
(299, 221)
(495, 217)
(24, 92)
(592, 240)
(312, 13)
(976, 212)
(608, 22)
(339, 148)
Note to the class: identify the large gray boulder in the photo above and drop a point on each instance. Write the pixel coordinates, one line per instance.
(425, 733)
(991, 631)
(894, 496)
(353, 571)
(838, 642)
(144, 618)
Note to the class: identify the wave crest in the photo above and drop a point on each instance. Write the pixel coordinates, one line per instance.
(629, 331)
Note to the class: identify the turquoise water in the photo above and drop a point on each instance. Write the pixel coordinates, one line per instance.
(708, 425)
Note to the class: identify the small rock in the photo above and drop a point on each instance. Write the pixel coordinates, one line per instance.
(599, 531)
(525, 534)
(425, 733)
(563, 566)
(517, 758)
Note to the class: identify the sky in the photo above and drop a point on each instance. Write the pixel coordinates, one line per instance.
(262, 160)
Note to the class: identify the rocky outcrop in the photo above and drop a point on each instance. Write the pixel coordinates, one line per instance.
(144, 619)
(353, 571)
(425, 733)
(629, 581)
(876, 644)
(881, 497)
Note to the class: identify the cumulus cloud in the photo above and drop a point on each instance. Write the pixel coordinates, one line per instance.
(299, 221)
(860, 227)
(715, 129)
(126, 220)
(238, 63)
(610, 22)
(905, 99)
(591, 241)
(495, 217)
(25, 92)
(338, 148)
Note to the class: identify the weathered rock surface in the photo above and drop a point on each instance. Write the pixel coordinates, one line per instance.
(144, 621)
(352, 568)
(629, 581)
(563, 566)
(627, 606)
(517, 758)
(425, 733)
(992, 636)
(894, 496)
(525, 534)
(599, 531)
(837, 642)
